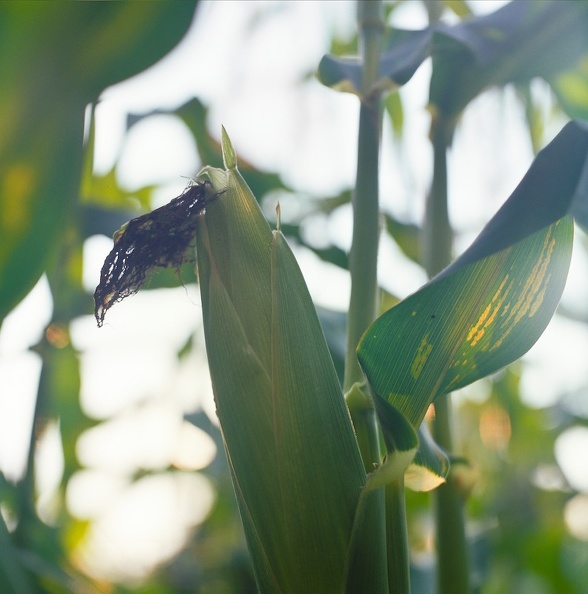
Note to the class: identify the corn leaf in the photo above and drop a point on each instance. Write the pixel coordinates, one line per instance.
(430, 466)
(516, 43)
(491, 305)
(404, 53)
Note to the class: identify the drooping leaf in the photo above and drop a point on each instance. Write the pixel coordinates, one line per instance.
(516, 43)
(404, 53)
(491, 305)
(430, 465)
(406, 236)
(401, 443)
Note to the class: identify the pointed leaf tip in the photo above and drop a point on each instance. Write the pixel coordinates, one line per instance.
(229, 156)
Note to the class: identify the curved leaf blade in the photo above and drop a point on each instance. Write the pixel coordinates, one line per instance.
(404, 53)
(430, 466)
(467, 324)
(516, 43)
(492, 304)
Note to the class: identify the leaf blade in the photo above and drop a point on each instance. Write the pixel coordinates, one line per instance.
(456, 329)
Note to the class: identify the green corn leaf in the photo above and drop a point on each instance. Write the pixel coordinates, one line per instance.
(491, 305)
(404, 53)
(516, 43)
(401, 443)
(294, 461)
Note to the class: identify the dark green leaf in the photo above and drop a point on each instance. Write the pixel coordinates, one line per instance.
(516, 43)
(404, 53)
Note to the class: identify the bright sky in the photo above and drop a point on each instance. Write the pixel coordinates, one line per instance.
(251, 79)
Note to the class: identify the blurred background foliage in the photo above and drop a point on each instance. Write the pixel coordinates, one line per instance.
(528, 524)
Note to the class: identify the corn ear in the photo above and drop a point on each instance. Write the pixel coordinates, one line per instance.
(295, 464)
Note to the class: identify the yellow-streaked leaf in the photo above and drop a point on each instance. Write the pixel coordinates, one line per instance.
(467, 324)
(491, 305)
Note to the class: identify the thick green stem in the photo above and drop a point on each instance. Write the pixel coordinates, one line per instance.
(364, 289)
(363, 269)
(397, 539)
(437, 233)
(452, 554)
(364, 249)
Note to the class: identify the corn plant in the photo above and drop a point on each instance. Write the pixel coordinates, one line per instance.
(319, 470)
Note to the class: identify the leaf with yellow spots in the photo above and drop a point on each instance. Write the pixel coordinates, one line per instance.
(491, 305)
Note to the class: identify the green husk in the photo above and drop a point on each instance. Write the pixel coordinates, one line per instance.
(294, 460)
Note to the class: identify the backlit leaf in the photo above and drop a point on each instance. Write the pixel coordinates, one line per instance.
(491, 305)
(516, 43)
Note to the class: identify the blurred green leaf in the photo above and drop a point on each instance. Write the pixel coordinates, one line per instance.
(403, 54)
(194, 114)
(516, 43)
(571, 88)
(533, 114)
(104, 191)
(70, 53)
(458, 7)
(12, 576)
(334, 325)
(406, 235)
(394, 109)
(332, 254)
